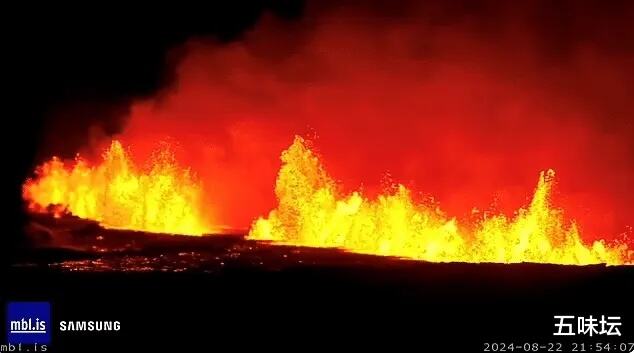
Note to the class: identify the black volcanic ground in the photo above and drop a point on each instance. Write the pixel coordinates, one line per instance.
(175, 290)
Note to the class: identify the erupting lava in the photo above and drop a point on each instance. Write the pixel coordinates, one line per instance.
(163, 199)
(312, 212)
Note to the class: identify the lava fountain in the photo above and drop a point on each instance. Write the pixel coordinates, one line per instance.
(162, 199)
(311, 212)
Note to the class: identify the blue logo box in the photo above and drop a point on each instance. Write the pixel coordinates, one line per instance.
(29, 322)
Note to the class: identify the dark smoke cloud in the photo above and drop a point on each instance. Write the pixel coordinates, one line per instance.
(465, 100)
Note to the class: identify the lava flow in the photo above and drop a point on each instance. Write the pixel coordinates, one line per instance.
(311, 212)
(163, 199)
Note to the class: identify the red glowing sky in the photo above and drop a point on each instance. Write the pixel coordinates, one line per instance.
(467, 108)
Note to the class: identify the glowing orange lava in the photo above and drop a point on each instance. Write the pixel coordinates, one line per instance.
(311, 212)
(163, 199)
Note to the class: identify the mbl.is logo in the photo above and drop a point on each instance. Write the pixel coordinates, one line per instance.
(29, 322)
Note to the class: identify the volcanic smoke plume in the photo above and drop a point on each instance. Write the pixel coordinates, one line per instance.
(466, 102)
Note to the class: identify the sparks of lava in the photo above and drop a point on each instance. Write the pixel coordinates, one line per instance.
(312, 213)
(163, 199)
